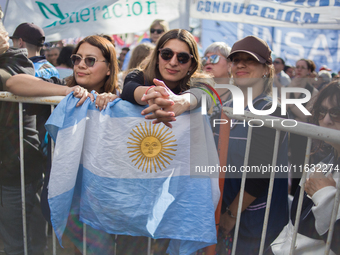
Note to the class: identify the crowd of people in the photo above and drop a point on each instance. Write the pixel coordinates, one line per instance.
(160, 74)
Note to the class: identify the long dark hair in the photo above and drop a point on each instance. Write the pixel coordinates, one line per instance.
(64, 56)
(331, 91)
(151, 70)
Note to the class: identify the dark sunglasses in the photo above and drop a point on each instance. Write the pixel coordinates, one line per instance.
(214, 59)
(182, 57)
(159, 31)
(89, 61)
(334, 113)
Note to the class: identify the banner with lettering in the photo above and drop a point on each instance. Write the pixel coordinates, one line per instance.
(315, 14)
(62, 19)
(291, 44)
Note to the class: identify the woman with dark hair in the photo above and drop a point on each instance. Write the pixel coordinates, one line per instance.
(65, 66)
(95, 68)
(320, 188)
(297, 143)
(174, 61)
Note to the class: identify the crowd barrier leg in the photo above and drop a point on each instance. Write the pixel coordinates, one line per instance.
(270, 189)
(22, 177)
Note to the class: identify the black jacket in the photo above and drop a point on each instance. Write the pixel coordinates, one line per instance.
(12, 62)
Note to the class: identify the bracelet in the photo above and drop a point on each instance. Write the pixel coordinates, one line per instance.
(230, 213)
(146, 91)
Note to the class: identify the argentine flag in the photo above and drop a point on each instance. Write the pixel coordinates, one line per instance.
(124, 175)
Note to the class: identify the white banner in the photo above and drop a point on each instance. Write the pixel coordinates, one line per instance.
(316, 14)
(62, 19)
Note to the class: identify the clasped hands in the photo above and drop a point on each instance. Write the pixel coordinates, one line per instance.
(164, 105)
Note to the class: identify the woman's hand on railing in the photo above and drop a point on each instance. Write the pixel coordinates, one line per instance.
(79, 92)
(103, 99)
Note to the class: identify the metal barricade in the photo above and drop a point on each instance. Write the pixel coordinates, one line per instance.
(308, 130)
(304, 129)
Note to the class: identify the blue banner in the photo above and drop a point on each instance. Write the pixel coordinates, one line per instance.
(320, 45)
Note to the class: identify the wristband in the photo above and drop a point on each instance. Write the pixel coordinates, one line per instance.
(146, 91)
(230, 213)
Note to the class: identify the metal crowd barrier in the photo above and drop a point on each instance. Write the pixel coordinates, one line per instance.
(308, 130)
(304, 129)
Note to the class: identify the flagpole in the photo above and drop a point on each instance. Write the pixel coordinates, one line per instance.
(5, 11)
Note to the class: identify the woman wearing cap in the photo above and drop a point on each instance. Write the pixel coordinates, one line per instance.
(320, 189)
(252, 68)
(297, 143)
(173, 62)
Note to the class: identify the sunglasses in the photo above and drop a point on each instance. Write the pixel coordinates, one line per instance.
(182, 57)
(214, 59)
(89, 61)
(159, 31)
(334, 113)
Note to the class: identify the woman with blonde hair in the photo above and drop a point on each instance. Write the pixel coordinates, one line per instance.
(138, 58)
(165, 79)
(252, 68)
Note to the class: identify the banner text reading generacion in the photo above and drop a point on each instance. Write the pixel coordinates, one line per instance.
(98, 12)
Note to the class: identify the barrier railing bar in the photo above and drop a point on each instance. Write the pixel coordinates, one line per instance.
(243, 183)
(149, 246)
(270, 190)
(84, 239)
(54, 237)
(9, 97)
(115, 248)
(302, 190)
(304, 129)
(22, 177)
(54, 243)
(333, 219)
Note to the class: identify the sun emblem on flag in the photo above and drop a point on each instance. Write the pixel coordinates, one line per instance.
(151, 146)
